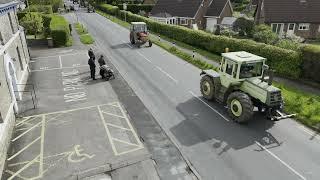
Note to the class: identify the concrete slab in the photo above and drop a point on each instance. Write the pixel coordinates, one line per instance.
(79, 129)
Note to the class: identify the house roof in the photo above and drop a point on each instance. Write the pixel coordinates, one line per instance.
(7, 5)
(216, 7)
(292, 11)
(179, 8)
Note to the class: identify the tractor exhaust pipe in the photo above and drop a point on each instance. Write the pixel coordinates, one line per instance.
(271, 74)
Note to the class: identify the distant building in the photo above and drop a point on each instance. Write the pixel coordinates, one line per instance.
(14, 59)
(288, 17)
(204, 14)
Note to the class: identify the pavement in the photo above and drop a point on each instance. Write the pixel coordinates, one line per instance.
(79, 127)
(211, 144)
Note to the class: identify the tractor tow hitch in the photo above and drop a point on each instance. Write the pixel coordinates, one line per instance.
(279, 115)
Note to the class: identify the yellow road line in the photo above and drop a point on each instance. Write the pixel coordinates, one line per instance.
(113, 115)
(25, 120)
(129, 151)
(13, 156)
(116, 126)
(24, 167)
(22, 134)
(108, 132)
(10, 172)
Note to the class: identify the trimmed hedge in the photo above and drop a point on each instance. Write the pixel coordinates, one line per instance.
(285, 62)
(60, 31)
(46, 9)
(135, 8)
(311, 62)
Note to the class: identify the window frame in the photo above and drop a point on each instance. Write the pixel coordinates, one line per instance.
(302, 25)
(278, 30)
(185, 21)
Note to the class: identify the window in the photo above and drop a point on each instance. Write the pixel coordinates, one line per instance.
(277, 28)
(183, 21)
(11, 24)
(1, 39)
(291, 27)
(304, 26)
(251, 70)
(19, 57)
(229, 68)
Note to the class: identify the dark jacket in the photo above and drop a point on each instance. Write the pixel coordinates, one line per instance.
(91, 63)
(91, 54)
(101, 61)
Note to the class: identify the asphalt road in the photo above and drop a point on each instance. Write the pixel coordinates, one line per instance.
(216, 147)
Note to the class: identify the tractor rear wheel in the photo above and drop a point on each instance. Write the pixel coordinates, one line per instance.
(207, 87)
(132, 41)
(240, 107)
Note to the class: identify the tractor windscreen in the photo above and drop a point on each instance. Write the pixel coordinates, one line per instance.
(140, 28)
(250, 70)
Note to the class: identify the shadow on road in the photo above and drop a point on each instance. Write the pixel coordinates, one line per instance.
(121, 46)
(202, 124)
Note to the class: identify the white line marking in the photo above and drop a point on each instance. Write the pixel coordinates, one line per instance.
(144, 57)
(113, 115)
(125, 142)
(284, 163)
(43, 57)
(167, 74)
(315, 135)
(131, 150)
(42, 146)
(57, 68)
(13, 156)
(26, 120)
(25, 132)
(119, 127)
(209, 106)
(60, 61)
(32, 61)
(108, 132)
(25, 167)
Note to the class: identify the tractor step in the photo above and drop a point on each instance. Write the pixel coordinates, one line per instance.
(280, 116)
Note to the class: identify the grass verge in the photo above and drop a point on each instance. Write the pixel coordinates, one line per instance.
(85, 37)
(307, 106)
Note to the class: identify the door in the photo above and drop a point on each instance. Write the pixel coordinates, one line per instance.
(211, 24)
(291, 28)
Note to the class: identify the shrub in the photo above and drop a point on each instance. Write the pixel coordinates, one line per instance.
(81, 29)
(56, 4)
(244, 26)
(265, 35)
(285, 62)
(21, 14)
(86, 39)
(136, 8)
(33, 23)
(46, 24)
(311, 62)
(60, 31)
(46, 9)
(288, 44)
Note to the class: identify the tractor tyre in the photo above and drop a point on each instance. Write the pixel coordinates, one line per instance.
(240, 107)
(132, 41)
(207, 87)
(150, 43)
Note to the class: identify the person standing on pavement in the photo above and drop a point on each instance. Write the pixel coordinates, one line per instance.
(91, 54)
(102, 62)
(92, 66)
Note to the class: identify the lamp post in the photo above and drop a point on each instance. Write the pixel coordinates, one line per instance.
(125, 13)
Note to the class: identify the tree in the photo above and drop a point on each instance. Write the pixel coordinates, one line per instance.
(244, 26)
(33, 23)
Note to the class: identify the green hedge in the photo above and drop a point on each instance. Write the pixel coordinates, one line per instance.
(285, 62)
(311, 62)
(135, 8)
(46, 9)
(60, 31)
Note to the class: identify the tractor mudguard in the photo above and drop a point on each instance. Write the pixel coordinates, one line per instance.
(210, 72)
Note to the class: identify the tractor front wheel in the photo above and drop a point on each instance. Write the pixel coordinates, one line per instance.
(240, 107)
(207, 87)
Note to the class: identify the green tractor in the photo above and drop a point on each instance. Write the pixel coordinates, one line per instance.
(241, 83)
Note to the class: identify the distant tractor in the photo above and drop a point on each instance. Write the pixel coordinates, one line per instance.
(139, 34)
(241, 83)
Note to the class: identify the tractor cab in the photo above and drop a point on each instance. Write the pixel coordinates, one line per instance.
(139, 34)
(240, 83)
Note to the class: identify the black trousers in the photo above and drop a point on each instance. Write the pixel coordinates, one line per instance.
(93, 72)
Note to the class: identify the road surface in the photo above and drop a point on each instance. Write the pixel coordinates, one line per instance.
(215, 146)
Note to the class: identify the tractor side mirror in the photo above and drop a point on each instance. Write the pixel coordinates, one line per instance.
(265, 67)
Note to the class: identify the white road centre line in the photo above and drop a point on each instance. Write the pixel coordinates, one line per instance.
(60, 61)
(144, 57)
(167, 74)
(314, 135)
(284, 163)
(193, 94)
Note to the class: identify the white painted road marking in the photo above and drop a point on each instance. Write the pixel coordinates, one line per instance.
(208, 106)
(167, 74)
(284, 163)
(44, 57)
(60, 61)
(144, 57)
(314, 135)
(57, 68)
